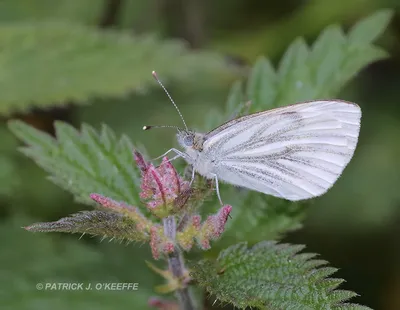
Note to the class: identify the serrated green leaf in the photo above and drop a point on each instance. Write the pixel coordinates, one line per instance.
(320, 72)
(331, 284)
(339, 296)
(84, 162)
(270, 276)
(327, 56)
(295, 55)
(53, 63)
(370, 28)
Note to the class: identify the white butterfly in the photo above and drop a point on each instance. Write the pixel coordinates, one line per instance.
(294, 152)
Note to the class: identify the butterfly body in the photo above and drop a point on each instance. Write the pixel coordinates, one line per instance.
(195, 154)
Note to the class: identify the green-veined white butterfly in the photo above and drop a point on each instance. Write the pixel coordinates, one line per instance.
(294, 152)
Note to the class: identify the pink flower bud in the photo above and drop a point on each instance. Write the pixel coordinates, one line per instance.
(110, 203)
(211, 229)
(141, 163)
(163, 189)
(214, 226)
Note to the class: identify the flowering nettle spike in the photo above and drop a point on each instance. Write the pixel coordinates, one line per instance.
(214, 226)
(96, 223)
(159, 243)
(163, 189)
(142, 223)
(211, 229)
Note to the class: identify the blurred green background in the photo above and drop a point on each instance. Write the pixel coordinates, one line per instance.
(355, 226)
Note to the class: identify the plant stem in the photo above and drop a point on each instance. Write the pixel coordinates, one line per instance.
(176, 266)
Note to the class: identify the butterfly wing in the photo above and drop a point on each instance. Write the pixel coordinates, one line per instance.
(295, 152)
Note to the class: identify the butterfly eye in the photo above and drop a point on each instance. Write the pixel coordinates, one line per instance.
(188, 140)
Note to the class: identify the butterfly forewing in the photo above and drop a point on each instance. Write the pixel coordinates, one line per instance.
(295, 152)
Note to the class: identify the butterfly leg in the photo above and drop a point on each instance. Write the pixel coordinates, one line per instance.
(217, 189)
(179, 153)
(169, 160)
(191, 181)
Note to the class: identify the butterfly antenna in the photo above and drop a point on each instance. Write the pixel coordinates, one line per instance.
(170, 98)
(147, 127)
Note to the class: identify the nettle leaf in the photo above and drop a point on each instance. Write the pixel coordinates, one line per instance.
(308, 73)
(53, 63)
(84, 162)
(370, 28)
(327, 53)
(272, 276)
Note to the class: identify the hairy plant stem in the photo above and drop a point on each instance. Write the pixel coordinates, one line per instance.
(176, 266)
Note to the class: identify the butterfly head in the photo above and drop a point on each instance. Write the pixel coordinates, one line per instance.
(189, 139)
